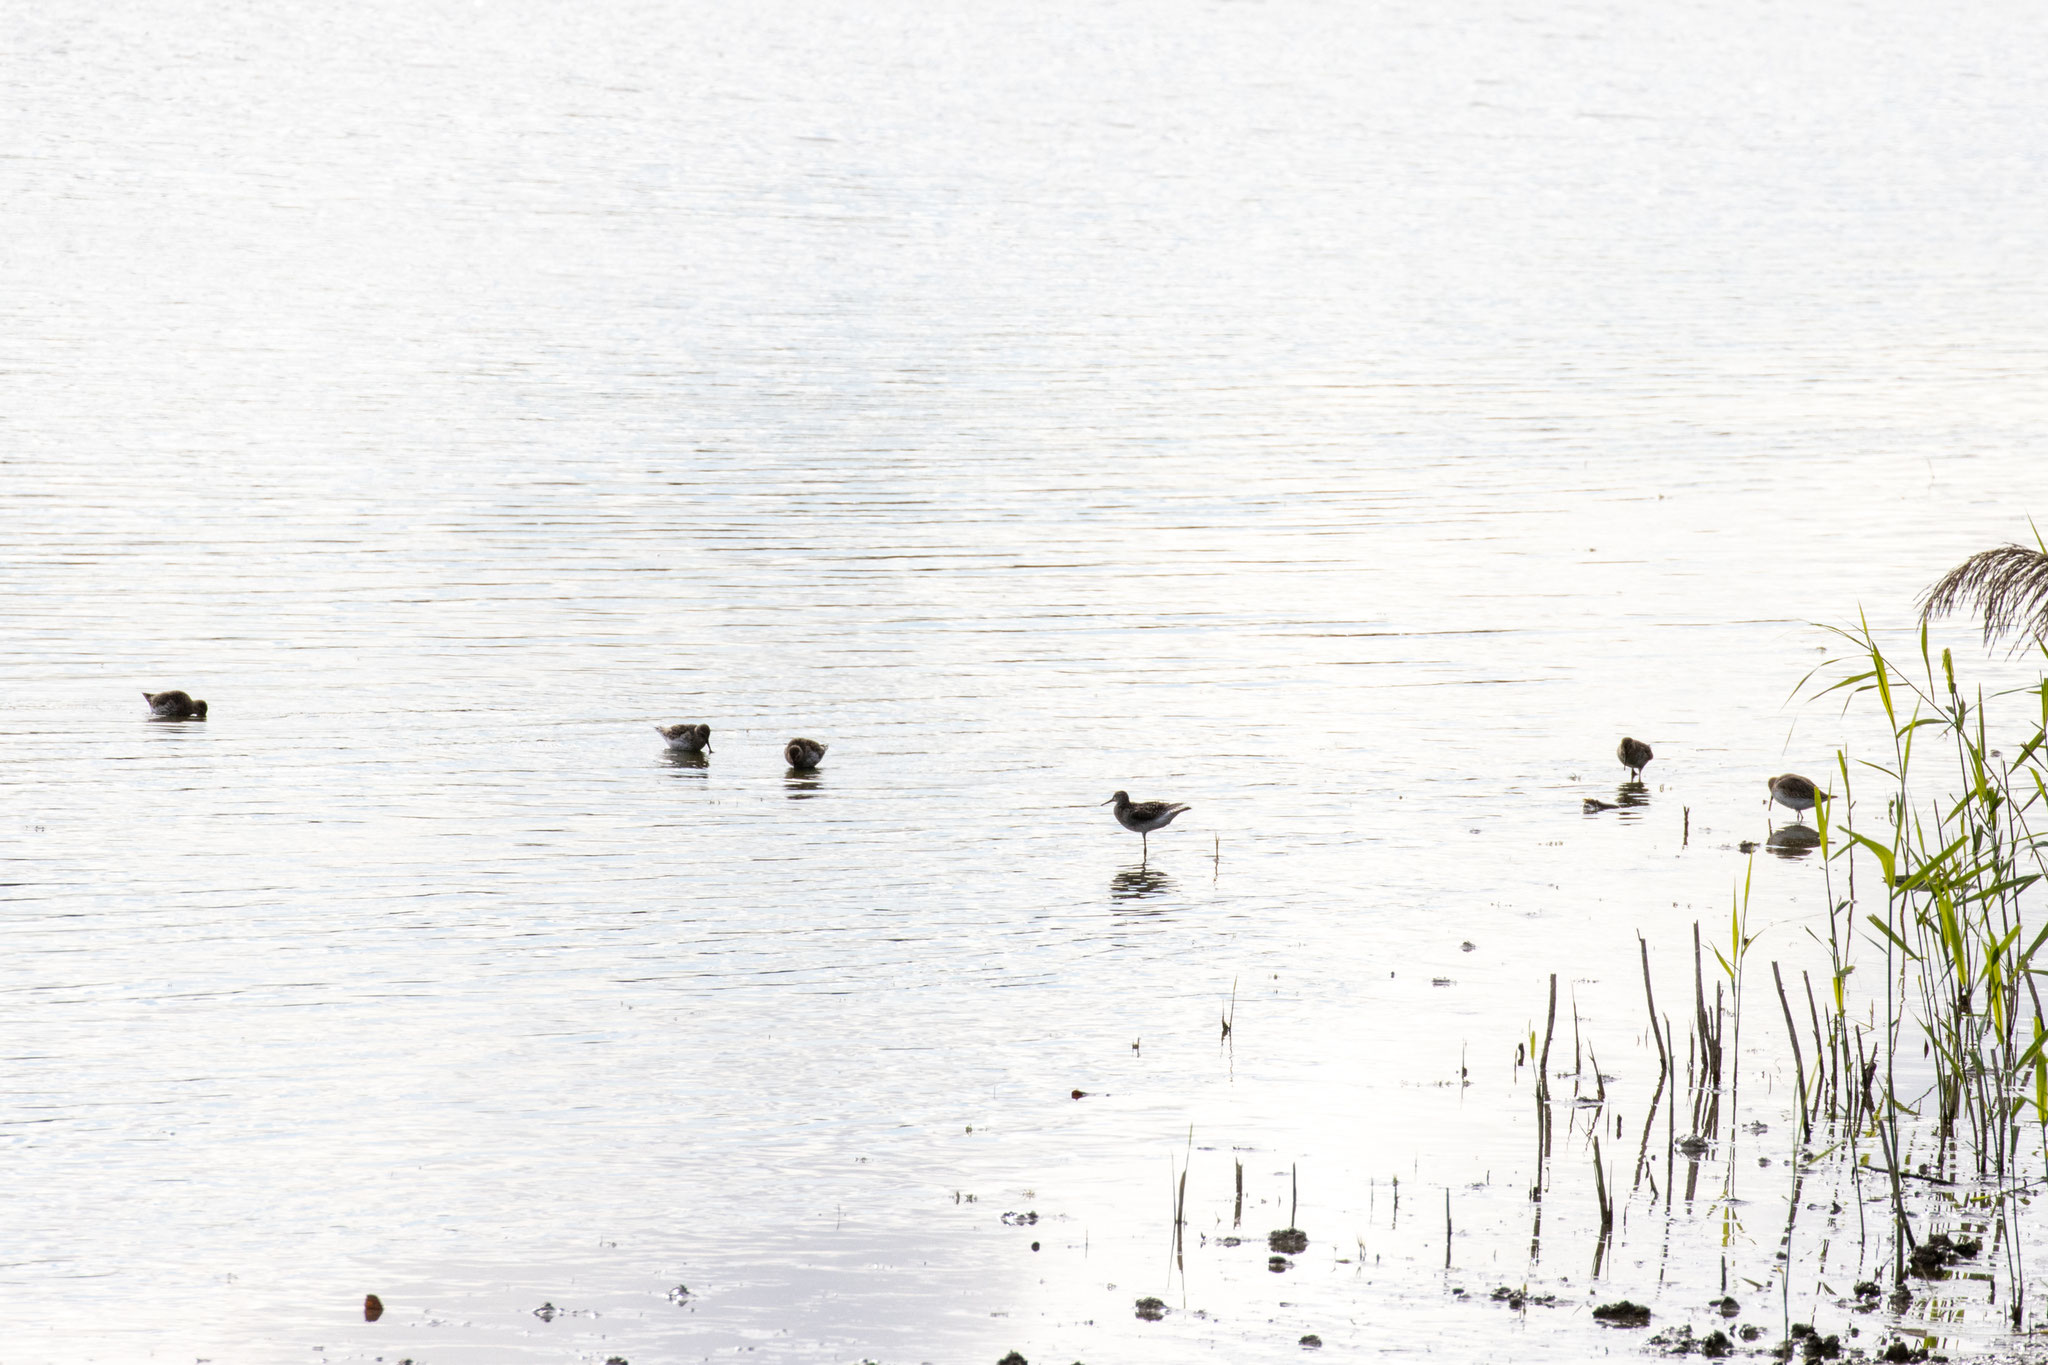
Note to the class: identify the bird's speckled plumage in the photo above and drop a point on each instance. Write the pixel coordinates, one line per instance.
(1634, 755)
(686, 738)
(803, 754)
(1142, 817)
(1796, 792)
(174, 705)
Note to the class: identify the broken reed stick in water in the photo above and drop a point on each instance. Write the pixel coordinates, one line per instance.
(1600, 1188)
(1798, 1062)
(1447, 1227)
(1663, 1053)
(1549, 1027)
(1543, 1086)
(1820, 1067)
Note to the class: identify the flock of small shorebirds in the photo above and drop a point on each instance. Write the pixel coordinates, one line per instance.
(1790, 790)
(1796, 793)
(802, 755)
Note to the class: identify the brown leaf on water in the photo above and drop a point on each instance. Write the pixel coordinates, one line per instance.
(373, 1308)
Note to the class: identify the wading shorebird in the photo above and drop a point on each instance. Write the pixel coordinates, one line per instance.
(686, 738)
(1796, 792)
(1635, 756)
(174, 705)
(1142, 817)
(803, 754)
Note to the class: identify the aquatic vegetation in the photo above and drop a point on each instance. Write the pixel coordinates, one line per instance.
(2007, 587)
(1917, 1065)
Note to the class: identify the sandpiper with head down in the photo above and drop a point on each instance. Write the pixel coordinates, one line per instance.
(1635, 756)
(686, 738)
(1796, 792)
(174, 705)
(1142, 817)
(803, 754)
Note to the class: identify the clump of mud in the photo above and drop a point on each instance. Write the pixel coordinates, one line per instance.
(1680, 1341)
(1289, 1241)
(1932, 1258)
(1520, 1298)
(1809, 1344)
(1622, 1313)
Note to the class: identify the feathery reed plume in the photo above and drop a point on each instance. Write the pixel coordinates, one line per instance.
(2007, 586)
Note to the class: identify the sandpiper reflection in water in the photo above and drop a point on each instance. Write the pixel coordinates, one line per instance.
(1793, 841)
(803, 784)
(692, 761)
(1139, 883)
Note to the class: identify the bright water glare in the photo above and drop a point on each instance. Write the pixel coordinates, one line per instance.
(1349, 421)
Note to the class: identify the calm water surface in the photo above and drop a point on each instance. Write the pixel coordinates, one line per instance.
(1348, 421)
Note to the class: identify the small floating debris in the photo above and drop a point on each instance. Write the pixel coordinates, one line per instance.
(547, 1312)
(1441, 981)
(1080, 1094)
(373, 1308)
(1622, 1313)
(1693, 1145)
(1467, 946)
(1899, 1351)
(1726, 1305)
(1521, 1298)
(1151, 1309)
(1278, 1264)
(1020, 1220)
(679, 1293)
(1292, 1241)
(1312, 1342)
(1594, 805)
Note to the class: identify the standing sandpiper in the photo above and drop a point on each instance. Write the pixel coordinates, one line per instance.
(1635, 756)
(1796, 792)
(1142, 817)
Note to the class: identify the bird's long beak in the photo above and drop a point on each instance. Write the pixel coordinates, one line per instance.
(1107, 802)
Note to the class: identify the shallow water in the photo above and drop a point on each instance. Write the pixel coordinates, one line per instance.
(1348, 424)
